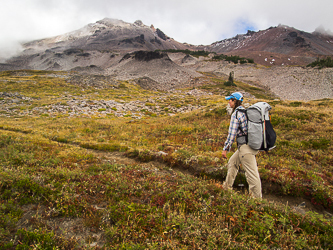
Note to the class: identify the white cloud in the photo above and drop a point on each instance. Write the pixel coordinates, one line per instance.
(191, 21)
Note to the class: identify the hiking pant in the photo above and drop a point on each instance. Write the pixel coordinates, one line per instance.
(247, 157)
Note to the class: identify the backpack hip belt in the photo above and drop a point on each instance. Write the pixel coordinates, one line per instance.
(241, 140)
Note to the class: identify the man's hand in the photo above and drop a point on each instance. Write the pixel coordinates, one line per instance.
(224, 154)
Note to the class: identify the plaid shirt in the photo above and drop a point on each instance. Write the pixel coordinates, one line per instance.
(234, 128)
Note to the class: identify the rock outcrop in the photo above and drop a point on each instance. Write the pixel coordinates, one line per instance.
(154, 69)
(10, 105)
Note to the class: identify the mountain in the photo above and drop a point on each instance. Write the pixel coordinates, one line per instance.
(132, 52)
(104, 43)
(99, 44)
(109, 34)
(287, 45)
(111, 47)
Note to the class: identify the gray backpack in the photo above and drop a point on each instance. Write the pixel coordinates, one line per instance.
(260, 133)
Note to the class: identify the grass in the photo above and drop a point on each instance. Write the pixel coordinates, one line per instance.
(115, 183)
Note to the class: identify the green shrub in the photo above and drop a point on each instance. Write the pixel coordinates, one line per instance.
(228, 83)
(322, 63)
(234, 59)
(189, 52)
(295, 104)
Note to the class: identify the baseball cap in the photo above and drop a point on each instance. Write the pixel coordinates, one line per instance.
(235, 95)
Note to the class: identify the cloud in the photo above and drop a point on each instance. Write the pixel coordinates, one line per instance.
(192, 21)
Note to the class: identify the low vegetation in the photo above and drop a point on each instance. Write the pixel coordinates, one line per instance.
(234, 59)
(322, 63)
(195, 53)
(103, 182)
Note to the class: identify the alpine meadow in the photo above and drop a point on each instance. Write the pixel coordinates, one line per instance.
(112, 137)
(123, 167)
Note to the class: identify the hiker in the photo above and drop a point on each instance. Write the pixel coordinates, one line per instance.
(244, 154)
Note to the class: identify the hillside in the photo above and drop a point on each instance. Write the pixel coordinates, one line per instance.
(108, 34)
(116, 166)
(108, 49)
(100, 44)
(287, 45)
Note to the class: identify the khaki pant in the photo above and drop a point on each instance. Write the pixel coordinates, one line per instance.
(247, 157)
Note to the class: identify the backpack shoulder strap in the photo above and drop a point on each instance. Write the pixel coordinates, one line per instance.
(243, 110)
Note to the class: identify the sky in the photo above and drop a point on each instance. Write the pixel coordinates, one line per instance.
(192, 21)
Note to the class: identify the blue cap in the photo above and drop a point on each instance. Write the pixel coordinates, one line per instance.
(236, 95)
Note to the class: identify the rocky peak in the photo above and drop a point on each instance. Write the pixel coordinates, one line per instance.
(110, 22)
(153, 28)
(139, 23)
(250, 33)
(161, 34)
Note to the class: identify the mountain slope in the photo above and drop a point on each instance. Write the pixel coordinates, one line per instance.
(281, 42)
(156, 68)
(125, 51)
(109, 34)
(100, 45)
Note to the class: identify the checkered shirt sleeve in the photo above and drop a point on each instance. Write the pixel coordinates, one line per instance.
(234, 129)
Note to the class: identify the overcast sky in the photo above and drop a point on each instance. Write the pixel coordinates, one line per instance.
(192, 21)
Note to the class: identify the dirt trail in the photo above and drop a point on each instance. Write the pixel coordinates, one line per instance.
(298, 204)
